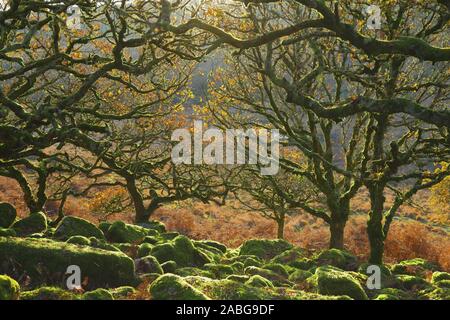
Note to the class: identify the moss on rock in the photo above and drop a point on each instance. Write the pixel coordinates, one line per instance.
(277, 268)
(299, 276)
(169, 266)
(122, 293)
(338, 258)
(148, 264)
(289, 256)
(415, 267)
(7, 232)
(98, 294)
(120, 232)
(144, 250)
(408, 282)
(332, 281)
(48, 293)
(154, 225)
(7, 215)
(73, 226)
(34, 223)
(38, 257)
(80, 240)
(219, 271)
(9, 288)
(438, 276)
(259, 282)
(265, 249)
(173, 287)
(182, 251)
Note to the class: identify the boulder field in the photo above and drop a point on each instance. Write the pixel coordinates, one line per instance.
(116, 260)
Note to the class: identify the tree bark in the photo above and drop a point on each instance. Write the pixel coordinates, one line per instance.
(280, 225)
(375, 225)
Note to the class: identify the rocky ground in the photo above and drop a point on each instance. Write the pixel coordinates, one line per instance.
(124, 261)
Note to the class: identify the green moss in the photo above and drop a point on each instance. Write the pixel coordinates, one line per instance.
(80, 240)
(101, 244)
(290, 256)
(122, 293)
(265, 249)
(415, 267)
(39, 257)
(151, 240)
(252, 261)
(182, 251)
(212, 244)
(7, 215)
(73, 226)
(337, 258)
(211, 251)
(9, 288)
(238, 278)
(438, 276)
(303, 264)
(299, 276)
(384, 296)
(173, 287)
(120, 232)
(154, 225)
(169, 235)
(277, 268)
(259, 282)
(148, 264)
(238, 267)
(169, 267)
(332, 281)
(7, 232)
(144, 250)
(443, 284)
(34, 223)
(104, 226)
(192, 271)
(414, 283)
(48, 293)
(437, 294)
(98, 294)
(219, 271)
(276, 279)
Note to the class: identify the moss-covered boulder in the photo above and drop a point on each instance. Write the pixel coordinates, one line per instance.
(332, 281)
(443, 284)
(299, 276)
(48, 293)
(219, 271)
(122, 293)
(265, 249)
(411, 283)
(144, 250)
(98, 294)
(289, 256)
(102, 244)
(182, 251)
(212, 244)
(120, 232)
(173, 287)
(80, 240)
(259, 282)
(252, 261)
(385, 296)
(274, 277)
(46, 261)
(338, 258)
(34, 223)
(277, 268)
(153, 225)
(7, 215)
(436, 294)
(238, 277)
(148, 264)
(169, 235)
(169, 267)
(303, 264)
(415, 267)
(9, 288)
(151, 240)
(439, 276)
(387, 278)
(7, 232)
(192, 271)
(73, 226)
(104, 226)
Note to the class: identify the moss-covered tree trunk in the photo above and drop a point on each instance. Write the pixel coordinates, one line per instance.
(280, 227)
(375, 225)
